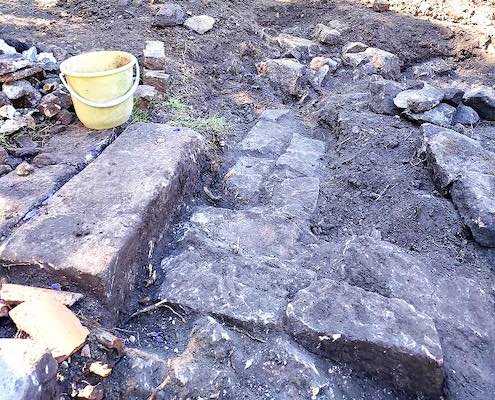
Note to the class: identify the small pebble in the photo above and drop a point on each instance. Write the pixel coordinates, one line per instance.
(24, 169)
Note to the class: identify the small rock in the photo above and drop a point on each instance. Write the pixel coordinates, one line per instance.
(482, 100)
(4, 100)
(86, 351)
(419, 100)
(5, 169)
(440, 115)
(50, 105)
(200, 23)
(354, 47)
(90, 392)
(386, 64)
(158, 79)
(437, 66)
(381, 5)
(169, 14)
(24, 169)
(18, 89)
(327, 35)
(64, 117)
(100, 369)
(383, 93)
(465, 115)
(7, 111)
(46, 58)
(284, 74)
(318, 62)
(21, 74)
(453, 96)
(42, 160)
(154, 55)
(145, 94)
(13, 125)
(297, 47)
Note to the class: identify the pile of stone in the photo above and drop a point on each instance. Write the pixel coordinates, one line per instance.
(31, 96)
(423, 103)
(171, 14)
(306, 61)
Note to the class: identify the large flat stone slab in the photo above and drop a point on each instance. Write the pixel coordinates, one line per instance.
(95, 228)
(19, 195)
(384, 337)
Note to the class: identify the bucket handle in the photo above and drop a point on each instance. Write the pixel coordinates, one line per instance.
(109, 103)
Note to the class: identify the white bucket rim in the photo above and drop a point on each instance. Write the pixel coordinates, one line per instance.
(66, 71)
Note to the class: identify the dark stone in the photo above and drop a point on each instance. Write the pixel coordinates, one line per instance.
(440, 115)
(474, 197)
(453, 96)
(385, 337)
(465, 115)
(169, 14)
(482, 100)
(450, 154)
(383, 93)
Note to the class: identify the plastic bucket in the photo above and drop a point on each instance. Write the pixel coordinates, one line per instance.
(102, 86)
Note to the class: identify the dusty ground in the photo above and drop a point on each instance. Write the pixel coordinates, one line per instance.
(215, 74)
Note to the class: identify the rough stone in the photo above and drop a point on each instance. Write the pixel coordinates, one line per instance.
(375, 60)
(453, 96)
(4, 100)
(328, 35)
(383, 93)
(18, 122)
(384, 268)
(270, 136)
(297, 47)
(354, 47)
(240, 231)
(158, 79)
(431, 68)
(303, 156)
(145, 94)
(43, 160)
(419, 100)
(12, 62)
(253, 291)
(27, 371)
(450, 154)
(318, 62)
(482, 100)
(4, 170)
(474, 197)
(296, 197)
(441, 115)
(21, 74)
(385, 337)
(245, 178)
(381, 5)
(24, 169)
(154, 55)
(466, 116)
(18, 89)
(200, 23)
(96, 240)
(284, 74)
(169, 14)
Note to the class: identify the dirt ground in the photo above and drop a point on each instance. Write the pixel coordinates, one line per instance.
(376, 183)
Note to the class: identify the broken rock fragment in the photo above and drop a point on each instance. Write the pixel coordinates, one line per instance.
(28, 371)
(297, 47)
(481, 99)
(384, 337)
(328, 35)
(14, 294)
(441, 115)
(284, 74)
(474, 197)
(169, 14)
(200, 23)
(419, 100)
(51, 324)
(383, 93)
(465, 115)
(154, 55)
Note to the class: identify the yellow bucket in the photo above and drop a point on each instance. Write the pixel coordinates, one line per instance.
(101, 86)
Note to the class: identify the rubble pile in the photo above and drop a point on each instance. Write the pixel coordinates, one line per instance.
(32, 99)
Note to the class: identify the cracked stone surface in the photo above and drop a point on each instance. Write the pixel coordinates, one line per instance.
(385, 337)
(95, 239)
